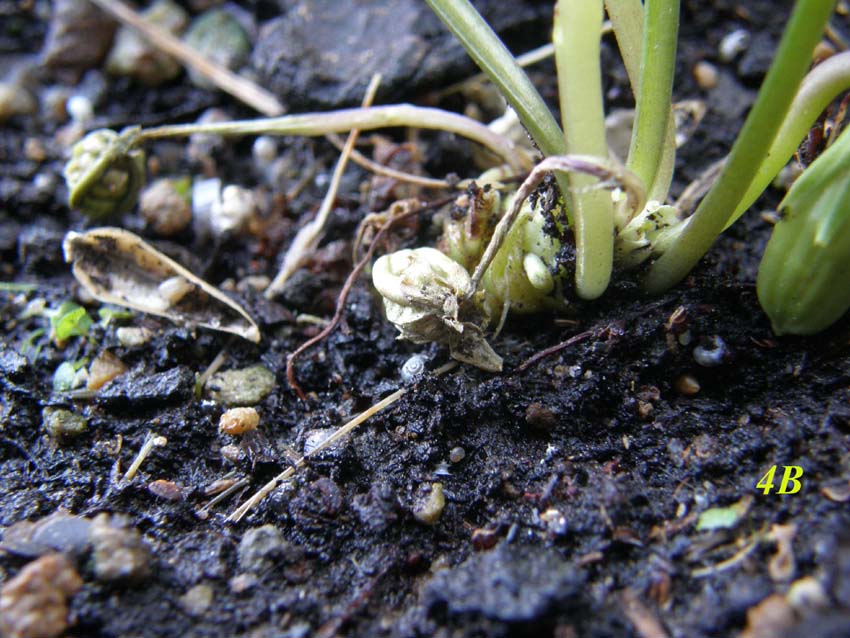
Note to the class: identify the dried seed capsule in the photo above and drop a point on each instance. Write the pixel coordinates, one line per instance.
(802, 279)
(105, 173)
(422, 291)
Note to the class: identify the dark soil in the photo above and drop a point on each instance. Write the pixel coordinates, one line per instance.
(573, 510)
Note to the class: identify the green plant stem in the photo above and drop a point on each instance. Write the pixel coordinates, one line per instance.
(491, 55)
(364, 119)
(802, 33)
(652, 112)
(576, 37)
(821, 86)
(627, 20)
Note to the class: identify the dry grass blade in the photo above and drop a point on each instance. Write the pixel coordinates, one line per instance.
(242, 89)
(307, 239)
(337, 436)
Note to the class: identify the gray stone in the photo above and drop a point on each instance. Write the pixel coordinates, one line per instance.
(246, 386)
(119, 554)
(262, 548)
(509, 584)
(140, 388)
(322, 53)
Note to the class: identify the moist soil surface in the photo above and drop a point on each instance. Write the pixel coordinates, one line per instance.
(573, 483)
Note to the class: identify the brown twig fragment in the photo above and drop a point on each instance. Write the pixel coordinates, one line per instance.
(241, 88)
(556, 348)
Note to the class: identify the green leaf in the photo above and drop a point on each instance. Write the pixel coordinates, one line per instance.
(70, 320)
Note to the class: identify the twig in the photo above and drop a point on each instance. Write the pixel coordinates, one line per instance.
(151, 440)
(644, 620)
(212, 368)
(337, 436)
(307, 237)
(556, 348)
(241, 88)
(340, 303)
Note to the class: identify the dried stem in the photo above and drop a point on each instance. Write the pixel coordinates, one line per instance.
(307, 238)
(242, 89)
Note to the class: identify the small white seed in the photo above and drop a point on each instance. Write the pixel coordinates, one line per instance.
(457, 454)
(174, 289)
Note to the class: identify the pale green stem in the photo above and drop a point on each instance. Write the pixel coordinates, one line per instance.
(790, 64)
(821, 86)
(627, 20)
(492, 57)
(652, 112)
(364, 119)
(576, 37)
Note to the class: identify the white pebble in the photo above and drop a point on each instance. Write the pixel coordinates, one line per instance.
(264, 150)
(733, 44)
(80, 108)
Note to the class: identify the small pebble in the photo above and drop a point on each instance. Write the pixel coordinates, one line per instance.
(705, 74)
(104, 369)
(484, 538)
(242, 583)
(61, 424)
(119, 553)
(238, 206)
(457, 454)
(34, 150)
(218, 37)
(232, 454)
(733, 44)
(429, 509)
(242, 387)
(80, 109)
(261, 548)
(264, 150)
(197, 600)
(237, 421)
(555, 521)
(133, 336)
(687, 385)
(34, 604)
(540, 417)
(165, 206)
(168, 490)
(15, 100)
(133, 56)
(315, 438)
(806, 595)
